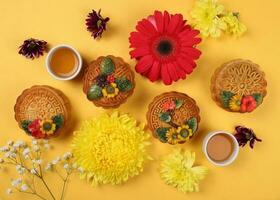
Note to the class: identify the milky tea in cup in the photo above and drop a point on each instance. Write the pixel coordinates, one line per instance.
(221, 148)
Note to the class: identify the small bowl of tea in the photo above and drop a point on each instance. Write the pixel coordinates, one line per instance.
(220, 148)
(63, 62)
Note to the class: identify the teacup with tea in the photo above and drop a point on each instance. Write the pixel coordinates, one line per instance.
(63, 62)
(220, 148)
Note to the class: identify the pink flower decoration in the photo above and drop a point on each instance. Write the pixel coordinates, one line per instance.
(169, 105)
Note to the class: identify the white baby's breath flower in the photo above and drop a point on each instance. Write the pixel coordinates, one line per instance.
(67, 155)
(16, 182)
(19, 143)
(24, 187)
(34, 142)
(20, 169)
(56, 161)
(81, 170)
(33, 171)
(46, 141)
(35, 148)
(9, 191)
(38, 161)
(10, 143)
(49, 167)
(26, 152)
(4, 149)
(2, 160)
(47, 146)
(66, 166)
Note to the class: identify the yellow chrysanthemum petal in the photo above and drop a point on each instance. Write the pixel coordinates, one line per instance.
(111, 149)
(206, 18)
(235, 27)
(177, 170)
(234, 103)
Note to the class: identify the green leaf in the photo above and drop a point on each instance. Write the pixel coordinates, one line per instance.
(94, 93)
(258, 97)
(161, 133)
(165, 117)
(107, 66)
(124, 84)
(178, 103)
(25, 124)
(225, 97)
(58, 120)
(193, 124)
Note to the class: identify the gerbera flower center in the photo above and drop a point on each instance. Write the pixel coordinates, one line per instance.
(164, 47)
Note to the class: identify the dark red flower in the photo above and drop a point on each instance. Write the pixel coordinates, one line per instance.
(244, 135)
(164, 46)
(32, 48)
(111, 79)
(248, 104)
(34, 129)
(96, 24)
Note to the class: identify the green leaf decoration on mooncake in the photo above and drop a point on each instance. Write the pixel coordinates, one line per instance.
(124, 84)
(58, 120)
(165, 117)
(94, 93)
(258, 97)
(225, 97)
(178, 103)
(193, 124)
(107, 66)
(24, 125)
(161, 133)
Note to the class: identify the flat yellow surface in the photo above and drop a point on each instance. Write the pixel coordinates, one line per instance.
(254, 176)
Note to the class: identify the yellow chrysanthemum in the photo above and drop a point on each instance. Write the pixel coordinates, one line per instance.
(206, 18)
(177, 170)
(111, 149)
(235, 102)
(47, 127)
(234, 26)
(172, 136)
(110, 90)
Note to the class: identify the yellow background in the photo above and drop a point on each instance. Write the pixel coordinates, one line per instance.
(255, 174)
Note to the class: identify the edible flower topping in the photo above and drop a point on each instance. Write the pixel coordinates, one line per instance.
(244, 135)
(96, 24)
(33, 48)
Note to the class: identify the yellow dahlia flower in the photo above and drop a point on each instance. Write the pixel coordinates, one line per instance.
(111, 149)
(206, 18)
(172, 136)
(110, 90)
(234, 26)
(235, 102)
(47, 127)
(177, 170)
(184, 132)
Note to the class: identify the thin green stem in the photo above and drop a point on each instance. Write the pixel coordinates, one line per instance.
(46, 185)
(64, 185)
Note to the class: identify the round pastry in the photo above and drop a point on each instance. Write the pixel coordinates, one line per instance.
(238, 86)
(42, 111)
(108, 82)
(173, 117)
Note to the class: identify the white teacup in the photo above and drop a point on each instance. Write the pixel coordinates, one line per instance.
(234, 153)
(78, 66)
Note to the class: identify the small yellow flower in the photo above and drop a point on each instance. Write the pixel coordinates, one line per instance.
(235, 102)
(206, 18)
(177, 169)
(184, 132)
(234, 26)
(172, 136)
(47, 127)
(110, 90)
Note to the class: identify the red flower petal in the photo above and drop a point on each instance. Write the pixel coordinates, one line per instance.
(139, 52)
(166, 19)
(148, 27)
(192, 52)
(191, 42)
(172, 72)
(159, 21)
(174, 21)
(155, 72)
(165, 75)
(187, 67)
(144, 64)
(180, 71)
(137, 39)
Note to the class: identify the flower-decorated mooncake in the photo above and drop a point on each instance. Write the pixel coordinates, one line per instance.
(42, 111)
(108, 82)
(173, 117)
(238, 86)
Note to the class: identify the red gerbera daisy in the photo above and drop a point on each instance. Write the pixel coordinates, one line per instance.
(164, 46)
